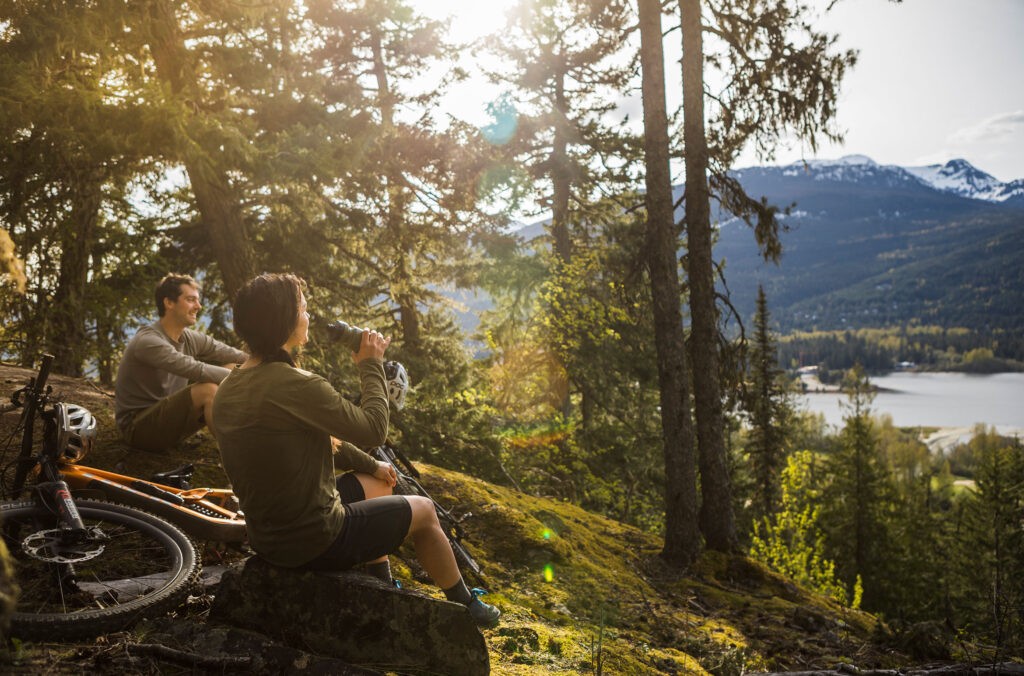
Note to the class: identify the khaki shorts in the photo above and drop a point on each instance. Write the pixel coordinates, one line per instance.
(164, 424)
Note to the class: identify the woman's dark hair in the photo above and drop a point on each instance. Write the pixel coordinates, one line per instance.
(266, 312)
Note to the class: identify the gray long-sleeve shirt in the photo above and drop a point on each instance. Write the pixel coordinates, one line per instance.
(154, 367)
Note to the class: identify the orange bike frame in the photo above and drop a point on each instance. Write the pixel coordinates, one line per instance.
(203, 513)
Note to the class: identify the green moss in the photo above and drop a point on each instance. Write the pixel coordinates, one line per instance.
(609, 597)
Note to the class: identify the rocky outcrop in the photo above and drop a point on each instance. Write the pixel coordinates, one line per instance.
(216, 649)
(353, 617)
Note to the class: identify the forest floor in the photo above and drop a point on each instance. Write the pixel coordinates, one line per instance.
(579, 593)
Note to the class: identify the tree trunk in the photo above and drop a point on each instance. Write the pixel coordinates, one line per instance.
(560, 193)
(717, 521)
(560, 181)
(682, 539)
(397, 202)
(410, 318)
(68, 341)
(216, 200)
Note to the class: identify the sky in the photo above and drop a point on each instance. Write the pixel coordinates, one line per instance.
(935, 80)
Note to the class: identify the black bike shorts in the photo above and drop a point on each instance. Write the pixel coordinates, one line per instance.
(372, 528)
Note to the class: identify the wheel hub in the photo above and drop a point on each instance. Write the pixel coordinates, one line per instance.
(57, 545)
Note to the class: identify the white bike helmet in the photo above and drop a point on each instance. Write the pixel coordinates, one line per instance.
(398, 383)
(76, 430)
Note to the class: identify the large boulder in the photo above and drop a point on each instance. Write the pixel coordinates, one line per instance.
(354, 617)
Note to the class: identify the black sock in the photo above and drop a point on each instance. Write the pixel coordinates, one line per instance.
(380, 570)
(459, 593)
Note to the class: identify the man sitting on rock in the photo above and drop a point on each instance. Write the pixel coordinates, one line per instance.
(155, 406)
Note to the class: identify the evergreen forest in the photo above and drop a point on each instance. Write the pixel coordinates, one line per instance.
(228, 139)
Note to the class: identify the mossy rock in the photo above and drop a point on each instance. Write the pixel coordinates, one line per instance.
(353, 617)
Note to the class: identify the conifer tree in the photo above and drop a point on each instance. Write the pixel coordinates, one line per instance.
(858, 500)
(403, 216)
(769, 414)
(920, 527)
(70, 150)
(566, 64)
(564, 60)
(682, 536)
(990, 556)
(781, 78)
(190, 46)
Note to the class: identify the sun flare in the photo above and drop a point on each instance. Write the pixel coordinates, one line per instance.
(470, 19)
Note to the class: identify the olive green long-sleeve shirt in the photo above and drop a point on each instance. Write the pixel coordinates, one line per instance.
(274, 425)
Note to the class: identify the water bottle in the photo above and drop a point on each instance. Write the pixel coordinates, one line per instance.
(349, 336)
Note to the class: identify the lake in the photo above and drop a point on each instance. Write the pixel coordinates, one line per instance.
(936, 400)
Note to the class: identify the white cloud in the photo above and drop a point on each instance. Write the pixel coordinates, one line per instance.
(938, 157)
(995, 127)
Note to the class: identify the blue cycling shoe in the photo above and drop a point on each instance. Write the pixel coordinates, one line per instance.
(484, 614)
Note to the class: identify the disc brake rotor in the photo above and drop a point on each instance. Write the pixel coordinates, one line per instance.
(55, 546)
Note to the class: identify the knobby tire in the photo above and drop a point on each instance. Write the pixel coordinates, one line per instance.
(146, 567)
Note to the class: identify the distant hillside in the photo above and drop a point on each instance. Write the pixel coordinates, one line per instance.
(872, 245)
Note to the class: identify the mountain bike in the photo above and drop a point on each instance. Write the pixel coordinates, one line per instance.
(83, 566)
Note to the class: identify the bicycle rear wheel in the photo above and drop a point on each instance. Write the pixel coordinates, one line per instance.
(140, 565)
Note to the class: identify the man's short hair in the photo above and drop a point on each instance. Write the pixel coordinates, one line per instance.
(170, 287)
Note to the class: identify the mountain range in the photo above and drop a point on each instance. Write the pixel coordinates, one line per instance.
(867, 244)
(873, 245)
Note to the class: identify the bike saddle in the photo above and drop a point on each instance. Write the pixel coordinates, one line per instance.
(176, 478)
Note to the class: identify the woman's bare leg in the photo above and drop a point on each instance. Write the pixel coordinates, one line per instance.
(432, 548)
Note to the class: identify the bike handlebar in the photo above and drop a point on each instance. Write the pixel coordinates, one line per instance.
(39, 384)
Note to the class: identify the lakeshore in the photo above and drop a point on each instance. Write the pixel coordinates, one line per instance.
(946, 406)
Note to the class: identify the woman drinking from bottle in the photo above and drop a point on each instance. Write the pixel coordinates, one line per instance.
(274, 423)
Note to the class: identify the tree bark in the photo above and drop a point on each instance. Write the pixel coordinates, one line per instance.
(682, 538)
(560, 178)
(216, 200)
(68, 339)
(397, 203)
(717, 521)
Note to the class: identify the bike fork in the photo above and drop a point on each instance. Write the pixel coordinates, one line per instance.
(56, 496)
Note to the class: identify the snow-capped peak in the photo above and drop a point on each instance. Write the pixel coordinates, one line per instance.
(855, 168)
(846, 161)
(1010, 190)
(962, 178)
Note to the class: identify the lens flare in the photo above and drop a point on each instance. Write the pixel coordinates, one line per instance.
(547, 533)
(549, 573)
(506, 118)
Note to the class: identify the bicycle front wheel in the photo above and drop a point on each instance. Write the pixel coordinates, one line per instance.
(132, 564)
